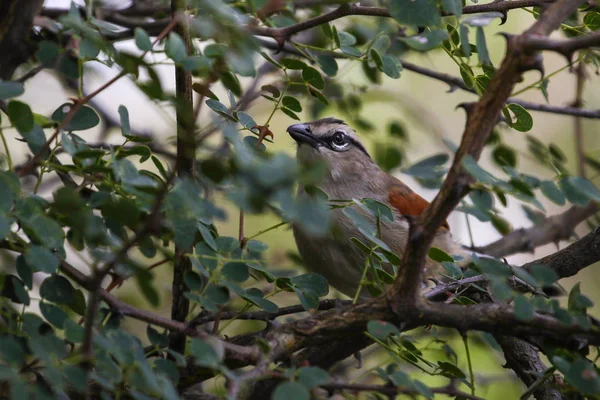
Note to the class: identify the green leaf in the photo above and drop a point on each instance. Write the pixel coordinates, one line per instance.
(524, 120)
(504, 155)
(387, 156)
(24, 271)
(204, 354)
(552, 192)
(10, 89)
(217, 294)
(198, 65)
(256, 246)
(293, 63)
(585, 186)
(346, 38)
(451, 370)
(313, 77)
(246, 120)
(20, 116)
(142, 40)
(522, 187)
(236, 271)
(84, 118)
(452, 269)
(261, 302)
(427, 40)
(482, 19)
(583, 375)
(523, 308)
(391, 66)
(231, 82)
(53, 314)
(416, 13)
(375, 57)
(482, 50)
(41, 259)
(145, 283)
(592, 20)
(78, 302)
(439, 255)
(11, 350)
(14, 289)
(311, 377)
(124, 119)
(573, 193)
(57, 289)
(500, 224)
(5, 224)
(350, 50)
(290, 113)
(543, 274)
(429, 168)
(88, 49)
(219, 108)
(252, 143)
(175, 48)
(492, 267)
(315, 282)
(453, 7)
(378, 209)
(471, 166)
(292, 103)
(207, 236)
(272, 89)
(308, 298)
(577, 301)
(290, 391)
(464, 40)
(382, 329)
(328, 65)
(482, 199)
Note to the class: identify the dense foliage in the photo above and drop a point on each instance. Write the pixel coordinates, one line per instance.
(119, 212)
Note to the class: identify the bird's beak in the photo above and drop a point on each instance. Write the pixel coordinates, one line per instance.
(301, 133)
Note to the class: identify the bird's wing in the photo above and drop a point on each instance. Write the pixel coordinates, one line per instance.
(407, 202)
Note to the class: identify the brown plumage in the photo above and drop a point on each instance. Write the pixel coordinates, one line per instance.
(407, 202)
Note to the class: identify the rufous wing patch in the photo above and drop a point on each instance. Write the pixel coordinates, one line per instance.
(407, 202)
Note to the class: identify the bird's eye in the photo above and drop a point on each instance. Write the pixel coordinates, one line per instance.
(339, 140)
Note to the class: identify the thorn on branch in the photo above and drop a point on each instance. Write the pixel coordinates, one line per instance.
(263, 131)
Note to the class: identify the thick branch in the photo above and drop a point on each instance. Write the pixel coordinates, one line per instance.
(525, 360)
(551, 230)
(16, 20)
(565, 47)
(572, 259)
(186, 154)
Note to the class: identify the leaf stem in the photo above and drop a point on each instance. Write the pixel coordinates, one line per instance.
(266, 230)
(470, 364)
(8, 157)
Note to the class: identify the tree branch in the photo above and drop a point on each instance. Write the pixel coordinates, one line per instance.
(186, 155)
(566, 47)
(573, 258)
(551, 230)
(525, 360)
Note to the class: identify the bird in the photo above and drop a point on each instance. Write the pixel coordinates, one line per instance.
(353, 174)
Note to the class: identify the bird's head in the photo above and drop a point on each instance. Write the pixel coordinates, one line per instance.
(332, 141)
